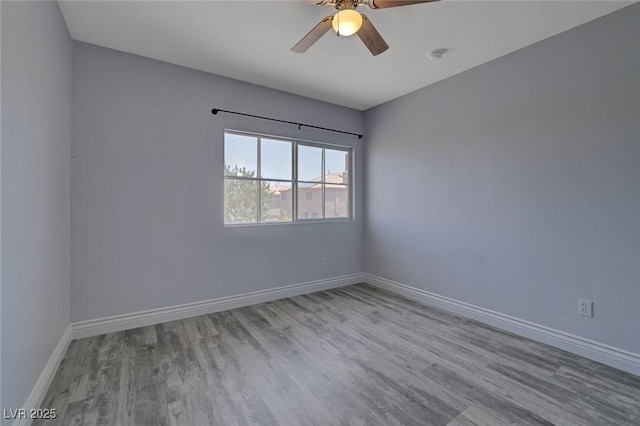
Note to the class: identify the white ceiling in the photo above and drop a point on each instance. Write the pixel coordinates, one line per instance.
(251, 40)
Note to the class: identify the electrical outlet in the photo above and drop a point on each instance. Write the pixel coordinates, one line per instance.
(59, 312)
(585, 308)
(323, 262)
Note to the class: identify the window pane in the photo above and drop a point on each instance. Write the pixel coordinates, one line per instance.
(336, 200)
(309, 163)
(240, 155)
(309, 200)
(275, 159)
(240, 201)
(336, 166)
(277, 202)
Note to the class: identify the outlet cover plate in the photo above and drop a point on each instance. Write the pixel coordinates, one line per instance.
(585, 308)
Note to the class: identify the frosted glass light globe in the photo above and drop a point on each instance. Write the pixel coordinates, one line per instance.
(346, 22)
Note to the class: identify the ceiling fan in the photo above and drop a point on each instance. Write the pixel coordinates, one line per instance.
(348, 21)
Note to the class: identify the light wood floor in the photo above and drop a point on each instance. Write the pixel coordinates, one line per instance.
(354, 355)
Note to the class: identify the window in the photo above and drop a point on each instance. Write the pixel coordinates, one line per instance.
(323, 173)
(277, 180)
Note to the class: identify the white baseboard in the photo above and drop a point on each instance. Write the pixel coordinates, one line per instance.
(596, 351)
(34, 400)
(99, 326)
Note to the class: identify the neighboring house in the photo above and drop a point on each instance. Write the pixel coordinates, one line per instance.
(280, 208)
(336, 199)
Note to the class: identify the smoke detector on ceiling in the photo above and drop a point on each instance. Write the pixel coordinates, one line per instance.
(436, 55)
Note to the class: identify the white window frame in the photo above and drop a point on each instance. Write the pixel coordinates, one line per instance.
(295, 142)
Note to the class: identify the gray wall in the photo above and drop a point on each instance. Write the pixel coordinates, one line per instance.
(147, 227)
(515, 186)
(36, 139)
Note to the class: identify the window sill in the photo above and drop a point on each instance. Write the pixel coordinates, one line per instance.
(299, 222)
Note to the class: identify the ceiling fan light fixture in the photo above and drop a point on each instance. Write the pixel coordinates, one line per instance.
(347, 22)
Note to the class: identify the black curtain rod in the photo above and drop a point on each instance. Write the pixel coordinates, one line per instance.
(217, 110)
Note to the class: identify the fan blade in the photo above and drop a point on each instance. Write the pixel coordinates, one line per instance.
(384, 4)
(371, 37)
(313, 35)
